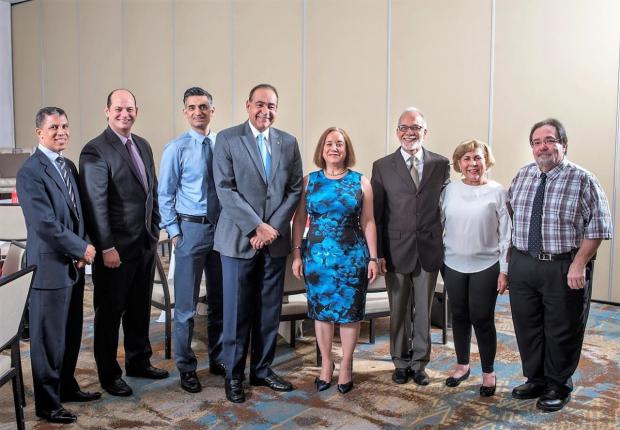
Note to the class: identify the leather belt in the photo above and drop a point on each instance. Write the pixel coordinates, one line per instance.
(194, 218)
(545, 256)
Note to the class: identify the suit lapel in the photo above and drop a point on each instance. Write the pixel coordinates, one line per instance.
(250, 144)
(118, 146)
(276, 150)
(400, 167)
(53, 174)
(429, 167)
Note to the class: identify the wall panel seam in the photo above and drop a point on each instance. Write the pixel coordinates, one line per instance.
(491, 75)
(614, 195)
(173, 65)
(232, 62)
(41, 50)
(79, 69)
(388, 77)
(303, 75)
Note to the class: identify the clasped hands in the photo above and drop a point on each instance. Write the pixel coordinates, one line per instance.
(264, 235)
(88, 257)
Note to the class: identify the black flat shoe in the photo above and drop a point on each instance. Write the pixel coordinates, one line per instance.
(58, 416)
(79, 396)
(345, 388)
(455, 382)
(488, 391)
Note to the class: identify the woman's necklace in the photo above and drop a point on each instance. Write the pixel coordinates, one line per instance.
(335, 174)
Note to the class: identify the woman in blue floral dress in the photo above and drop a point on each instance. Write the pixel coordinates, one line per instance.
(339, 255)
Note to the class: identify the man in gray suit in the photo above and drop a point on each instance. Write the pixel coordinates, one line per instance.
(258, 177)
(406, 186)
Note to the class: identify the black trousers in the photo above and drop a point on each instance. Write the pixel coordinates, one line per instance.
(472, 302)
(122, 294)
(55, 339)
(549, 318)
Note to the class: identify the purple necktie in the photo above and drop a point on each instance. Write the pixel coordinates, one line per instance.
(137, 163)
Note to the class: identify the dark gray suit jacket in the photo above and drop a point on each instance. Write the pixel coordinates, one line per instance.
(119, 212)
(408, 219)
(56, 234)
(247, 197)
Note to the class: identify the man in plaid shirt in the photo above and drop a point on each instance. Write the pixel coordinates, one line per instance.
(560, 217)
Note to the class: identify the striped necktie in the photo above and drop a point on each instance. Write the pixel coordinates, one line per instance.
(62, 165)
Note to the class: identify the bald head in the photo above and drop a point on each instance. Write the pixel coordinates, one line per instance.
(121, 111)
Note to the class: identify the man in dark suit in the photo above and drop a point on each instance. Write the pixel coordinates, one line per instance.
(58, 246)
(406, 186)
(258, 178)
(119, 188)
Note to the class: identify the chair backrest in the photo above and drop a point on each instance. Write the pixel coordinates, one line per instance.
(14, 292)
(378, 285)
(14, 258)
(13, 225)
(292, 285)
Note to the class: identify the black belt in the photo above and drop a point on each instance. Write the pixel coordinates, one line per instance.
(195, 218)
(545, 256)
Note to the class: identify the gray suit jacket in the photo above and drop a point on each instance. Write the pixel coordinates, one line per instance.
(408, 219)
(247, 197)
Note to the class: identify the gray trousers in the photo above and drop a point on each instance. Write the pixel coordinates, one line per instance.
(411, 297)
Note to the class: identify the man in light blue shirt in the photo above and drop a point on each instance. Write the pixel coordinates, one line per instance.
(189, 210)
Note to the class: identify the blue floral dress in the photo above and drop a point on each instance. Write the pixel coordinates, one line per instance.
(335, 254)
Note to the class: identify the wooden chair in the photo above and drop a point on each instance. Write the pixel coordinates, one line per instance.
(14, 292)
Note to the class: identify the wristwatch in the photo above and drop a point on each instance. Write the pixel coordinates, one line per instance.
(375, 259)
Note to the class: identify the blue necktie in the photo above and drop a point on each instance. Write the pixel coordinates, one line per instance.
(534, 239)
(264, 153)
(213, 204)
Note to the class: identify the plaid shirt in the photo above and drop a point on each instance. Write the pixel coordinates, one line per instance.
(575, 207)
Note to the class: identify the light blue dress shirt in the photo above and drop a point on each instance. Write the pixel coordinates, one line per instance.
(183, 179)
(52, 157)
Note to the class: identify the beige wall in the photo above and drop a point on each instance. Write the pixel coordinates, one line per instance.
(483, 69)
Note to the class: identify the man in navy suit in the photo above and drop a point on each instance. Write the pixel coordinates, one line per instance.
(57, 244)
(258, 178)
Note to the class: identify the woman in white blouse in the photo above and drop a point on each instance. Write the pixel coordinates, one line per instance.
(476, 240)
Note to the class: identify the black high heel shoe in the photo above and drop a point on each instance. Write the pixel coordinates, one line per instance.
(486, 391)
(346, 387)
(323, 385)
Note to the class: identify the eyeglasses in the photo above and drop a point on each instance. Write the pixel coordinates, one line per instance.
(546, 141)
(415, 128)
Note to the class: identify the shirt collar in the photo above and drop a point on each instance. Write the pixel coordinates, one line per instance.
(49, 153)
(199, 137)
(418, 155)
(121, 137)
(255, 132)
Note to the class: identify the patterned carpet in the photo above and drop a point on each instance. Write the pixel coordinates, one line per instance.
(374, 403)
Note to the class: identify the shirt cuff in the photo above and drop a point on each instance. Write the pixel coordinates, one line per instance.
(105, 251)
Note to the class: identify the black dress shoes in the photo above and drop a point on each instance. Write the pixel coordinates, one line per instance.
(79, 396)
(217, 369)
(529, 390)
(455, 382)
(552, 400)
(117, 387)
(190, 382)
(272, 381)
(420, 377)
(400, 376)
(234, 390)
(58, 416)
(345, 388)
(148, 372)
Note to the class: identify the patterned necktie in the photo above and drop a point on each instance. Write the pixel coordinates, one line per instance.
(413, 170)
(137, 163)
(534, 239)
(264, 153)
(213, 204)
(60, 160)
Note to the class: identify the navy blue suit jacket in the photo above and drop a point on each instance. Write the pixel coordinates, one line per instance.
(56, 234)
